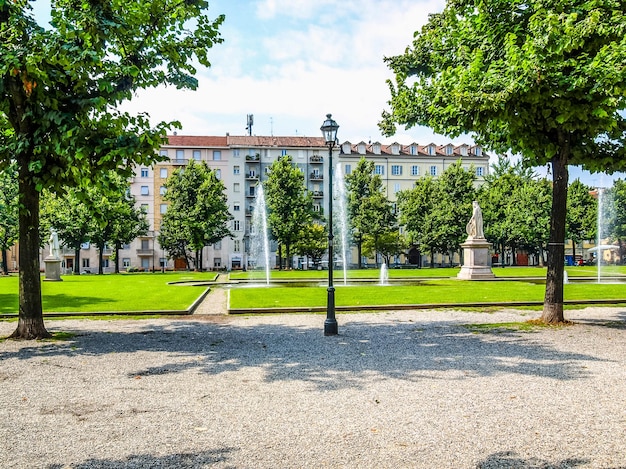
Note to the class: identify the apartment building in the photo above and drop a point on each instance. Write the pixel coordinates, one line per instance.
(242, 162)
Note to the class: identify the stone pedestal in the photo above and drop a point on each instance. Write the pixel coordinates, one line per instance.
(476, 260)
(53, 269)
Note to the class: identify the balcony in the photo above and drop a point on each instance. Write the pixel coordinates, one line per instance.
(316, 177)
(316, 159)
(179, 162)
(252, 176)
(256, 157)
(318, 194)
(145, 252)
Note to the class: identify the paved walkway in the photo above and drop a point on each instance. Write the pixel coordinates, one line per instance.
(216, 302)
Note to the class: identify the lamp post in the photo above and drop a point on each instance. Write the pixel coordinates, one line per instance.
(329, 130)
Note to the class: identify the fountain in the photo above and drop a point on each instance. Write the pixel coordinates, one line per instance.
(258, 234)
(603, 215)
(384, 275)
(342, 215)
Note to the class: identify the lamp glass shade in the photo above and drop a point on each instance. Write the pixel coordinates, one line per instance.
(329, 129)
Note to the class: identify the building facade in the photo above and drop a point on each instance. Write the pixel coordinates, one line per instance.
(242, 162)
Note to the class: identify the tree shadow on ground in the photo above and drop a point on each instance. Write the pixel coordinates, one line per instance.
(407, 350)
(511, 460)
(180, 460)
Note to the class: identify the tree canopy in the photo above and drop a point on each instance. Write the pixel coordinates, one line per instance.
(60, 88)
(544, 79)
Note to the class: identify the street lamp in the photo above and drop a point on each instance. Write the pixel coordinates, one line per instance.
(329, 130)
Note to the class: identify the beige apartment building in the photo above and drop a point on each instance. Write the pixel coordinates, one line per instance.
(242, 162)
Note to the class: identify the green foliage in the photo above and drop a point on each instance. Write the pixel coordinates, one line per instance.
(312, 242)
(8, 212)
(436, 211)
(369, 211)
(618, 193)
(197, 215)
(582, 212)
(290, 205)
(60, 91)
(531, 77)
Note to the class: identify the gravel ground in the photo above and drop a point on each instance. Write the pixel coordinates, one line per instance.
(410, 389)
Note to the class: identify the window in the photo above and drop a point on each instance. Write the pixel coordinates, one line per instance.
(236, 170)
(283, 152)
(217, 155)
(163, 173)
(144, 190)
(217, 245)
(236, 207)
(126, 262)
(145, 244)
(197, 155)
(348, 169)
(163, 208)
(236, 225)
(236, 187)
(317, 208)
(236, 152)
(396, 188)
(379, 169)
(145, 263)
(396, 170)
(218, 174)
(413, 150)
(479, 151)
(105, 263)
(433, 170)
(463, 151)
(415, 170)
(85, 262)
(449, 150)
(237, 246)
(144, 172)
(251, 152)
(479, 171)
(162, 190)
(217, 262)
(145, 208)
(163, 152)
(180, 154)
(126, 246)
(162, 262)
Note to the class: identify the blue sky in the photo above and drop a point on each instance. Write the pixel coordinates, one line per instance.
(290, 62)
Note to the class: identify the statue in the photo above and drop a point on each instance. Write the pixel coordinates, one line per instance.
(475, 226)
(55, 250)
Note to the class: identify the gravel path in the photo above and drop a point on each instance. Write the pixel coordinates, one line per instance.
(410, 389)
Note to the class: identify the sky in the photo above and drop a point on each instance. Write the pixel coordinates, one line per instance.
(291, 62)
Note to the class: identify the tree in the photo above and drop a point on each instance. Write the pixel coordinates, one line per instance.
(197, 215)
(70, 216)
(8, 213)
(369, 210)
(59, 91)
(543, 79)
(312, 242)
(290, 205)
(619, 213)
(387, 244)
(116, 220)
(416, 210)
(582, 213)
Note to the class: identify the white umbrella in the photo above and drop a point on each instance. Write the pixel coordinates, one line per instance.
(603, 247)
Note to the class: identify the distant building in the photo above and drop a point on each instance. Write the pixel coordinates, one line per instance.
(241, 162)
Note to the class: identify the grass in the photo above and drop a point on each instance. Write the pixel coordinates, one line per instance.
(426, 292)
(111, 293)
(447, 272)
(499, 327)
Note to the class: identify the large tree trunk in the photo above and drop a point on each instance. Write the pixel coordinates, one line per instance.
(30, 324)
(77, 260)
(100, 259)
(553, 301)
(117, 258)
(359, 248)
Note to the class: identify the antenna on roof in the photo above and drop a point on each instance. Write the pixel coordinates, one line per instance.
(271, 126)
(249, 123)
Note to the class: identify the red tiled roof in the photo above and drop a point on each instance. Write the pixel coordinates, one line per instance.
(261, 141)
(196, 141)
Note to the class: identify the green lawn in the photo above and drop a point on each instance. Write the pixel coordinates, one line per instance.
(507, 272)
(426, 292)
(122, 292)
